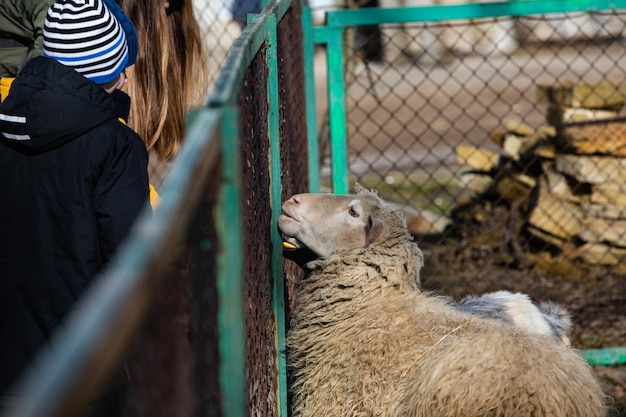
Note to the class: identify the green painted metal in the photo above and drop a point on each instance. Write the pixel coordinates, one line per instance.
(605, 357)
(230, 281)
(259, 32)
(337, 113)
(278, 272)
(356, 17)
(311, 102)
(113, 306)
(331, 35)
(279, 7)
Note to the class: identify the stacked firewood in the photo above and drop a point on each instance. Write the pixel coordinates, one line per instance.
(568, 177)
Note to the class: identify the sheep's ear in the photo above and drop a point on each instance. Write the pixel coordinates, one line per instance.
(359, 189)
(373, 230)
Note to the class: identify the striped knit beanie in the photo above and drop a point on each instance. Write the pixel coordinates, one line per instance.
(84, 35)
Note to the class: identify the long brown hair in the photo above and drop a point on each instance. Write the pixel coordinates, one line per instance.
(171, 73)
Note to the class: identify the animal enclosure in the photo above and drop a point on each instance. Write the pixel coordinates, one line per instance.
(508, 116)
(202, 286)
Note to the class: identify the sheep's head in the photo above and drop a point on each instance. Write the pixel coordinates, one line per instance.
(329, 223)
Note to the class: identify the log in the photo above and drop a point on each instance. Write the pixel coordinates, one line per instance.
(604, 211)
(477, 158)
(591, 169)
(557, 183)
(497, 136)
(516, 146)
(611, 232)
(519, 128)
(556, 115)
(546, 151)
(609, 193)
(555, 216)
(515, 187)
(472, 186)
(604, 138)
(603, 95)
(512, 145)
(601, 254)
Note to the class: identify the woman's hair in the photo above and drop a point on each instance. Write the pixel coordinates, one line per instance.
(171, 73)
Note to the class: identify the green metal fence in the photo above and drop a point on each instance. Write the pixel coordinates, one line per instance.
(196, 302)
(447, 82)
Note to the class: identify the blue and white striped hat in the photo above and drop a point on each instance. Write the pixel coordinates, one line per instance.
(85, 35)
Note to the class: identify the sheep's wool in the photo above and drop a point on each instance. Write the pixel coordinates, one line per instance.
(364, 341)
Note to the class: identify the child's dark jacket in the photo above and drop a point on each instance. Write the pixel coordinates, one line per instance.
(72, 180)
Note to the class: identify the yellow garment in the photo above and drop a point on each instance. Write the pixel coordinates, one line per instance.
(154, 198)
(5, 85)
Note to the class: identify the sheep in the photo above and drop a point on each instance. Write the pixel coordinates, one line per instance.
(518, 310)
(365, 341)
(515, 309)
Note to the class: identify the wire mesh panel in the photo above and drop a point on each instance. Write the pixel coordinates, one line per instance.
(260, 329)
(217, 19)
(293, 144)
(294, 154)
(220, 29)
(510, 124)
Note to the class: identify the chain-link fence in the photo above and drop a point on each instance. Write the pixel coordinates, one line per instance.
(220, 29)
(504, 129)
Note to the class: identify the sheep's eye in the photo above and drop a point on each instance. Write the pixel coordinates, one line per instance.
(352, 211)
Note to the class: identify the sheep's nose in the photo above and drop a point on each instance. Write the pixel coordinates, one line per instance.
(296, 199)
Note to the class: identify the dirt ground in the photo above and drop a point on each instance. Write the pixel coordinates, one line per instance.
(597, 302)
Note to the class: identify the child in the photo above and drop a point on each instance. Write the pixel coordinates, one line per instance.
(74, 177)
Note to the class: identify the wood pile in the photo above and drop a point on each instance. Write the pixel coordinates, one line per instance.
(567, 178)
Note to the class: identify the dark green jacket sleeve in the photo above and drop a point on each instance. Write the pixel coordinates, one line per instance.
(21, 32)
